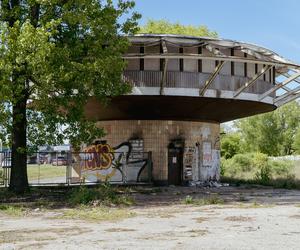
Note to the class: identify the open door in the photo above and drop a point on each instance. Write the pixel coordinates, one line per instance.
(175, 163)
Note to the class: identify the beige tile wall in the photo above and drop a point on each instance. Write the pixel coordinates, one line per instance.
(157, 136)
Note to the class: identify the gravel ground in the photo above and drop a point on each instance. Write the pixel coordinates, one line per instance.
(251, 218)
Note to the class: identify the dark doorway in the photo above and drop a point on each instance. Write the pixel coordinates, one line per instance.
(175, 162)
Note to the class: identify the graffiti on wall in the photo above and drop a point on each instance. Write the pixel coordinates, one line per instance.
(97, 157)
(101, 162)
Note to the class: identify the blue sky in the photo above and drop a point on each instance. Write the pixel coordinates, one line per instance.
(274, 24)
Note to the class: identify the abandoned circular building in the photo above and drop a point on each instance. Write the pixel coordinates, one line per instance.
(182, 89)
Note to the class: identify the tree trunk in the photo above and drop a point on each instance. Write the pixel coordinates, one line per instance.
(18, 176)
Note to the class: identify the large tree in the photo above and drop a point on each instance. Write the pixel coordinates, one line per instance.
(165, 27)
(296, 143)
(271, 133)
(55, 54)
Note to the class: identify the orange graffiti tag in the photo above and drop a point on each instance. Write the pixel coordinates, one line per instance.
(98, 157)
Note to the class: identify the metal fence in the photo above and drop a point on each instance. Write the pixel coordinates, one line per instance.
(71, 168)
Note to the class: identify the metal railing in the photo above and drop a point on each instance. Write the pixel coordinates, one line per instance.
(177, 79)
(67, 168)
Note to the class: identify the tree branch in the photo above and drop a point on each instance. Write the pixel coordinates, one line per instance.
(35, 14)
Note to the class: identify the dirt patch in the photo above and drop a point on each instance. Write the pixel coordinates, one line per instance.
(238, 218)
(197, 232)
(115, 230)
(36, 245)
(295, 216)
(163, 222)
(36, 235)
(201, 219)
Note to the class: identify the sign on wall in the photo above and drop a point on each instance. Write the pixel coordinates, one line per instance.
(189, 162)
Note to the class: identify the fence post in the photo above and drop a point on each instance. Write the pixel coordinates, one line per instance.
(68, 167)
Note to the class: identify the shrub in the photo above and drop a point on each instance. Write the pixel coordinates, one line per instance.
(281, 168)
(83, 195)
(259, 160)
(257, 168)
(257, 163)
(188, 200)
(1, 176)
(102, 195)
(230, 145)
(237, 165)
(243, 161)
(264, 174)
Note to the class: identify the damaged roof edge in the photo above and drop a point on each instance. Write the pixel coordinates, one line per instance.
(195, 40)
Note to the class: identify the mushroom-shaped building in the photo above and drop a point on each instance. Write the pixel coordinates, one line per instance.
(183, 87)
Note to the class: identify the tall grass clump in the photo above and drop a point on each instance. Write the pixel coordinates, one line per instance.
(258, 168)
(105, 194)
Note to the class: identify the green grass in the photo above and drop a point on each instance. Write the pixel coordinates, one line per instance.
(45, 171)
(98, 203)
(96, 214)
(12, 210)
(280, 174)
(104, 194)
(211, 200)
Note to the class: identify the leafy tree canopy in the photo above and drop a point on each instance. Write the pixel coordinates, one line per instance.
(296, 144)
(272, 133)
(166, 27)
(230, 144)
(54, 55)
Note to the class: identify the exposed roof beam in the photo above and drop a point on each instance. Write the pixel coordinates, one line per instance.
(252, 81)
(280, 85)
(288, 75)
(164, 46)
(165, 66)
(214, 50)
(289, 93)
(212, 78)
(288, 99)
(206, 57)
(284, 87)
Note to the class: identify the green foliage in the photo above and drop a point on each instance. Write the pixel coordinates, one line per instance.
(254, 162)
(272, 133)
(264, 174)
(258, 168)
(296, 143)
(12, 210)
(55, 55)
(99, 213)
(166, 27)
(103, 195)
(238, 164)
(57, 58)
(230, 145)
(1, 176)
(211, 200)
(281, 168)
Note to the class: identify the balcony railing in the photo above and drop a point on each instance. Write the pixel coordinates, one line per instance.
(176, 79)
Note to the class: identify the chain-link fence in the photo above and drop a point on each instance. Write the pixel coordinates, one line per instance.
(67, 168)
